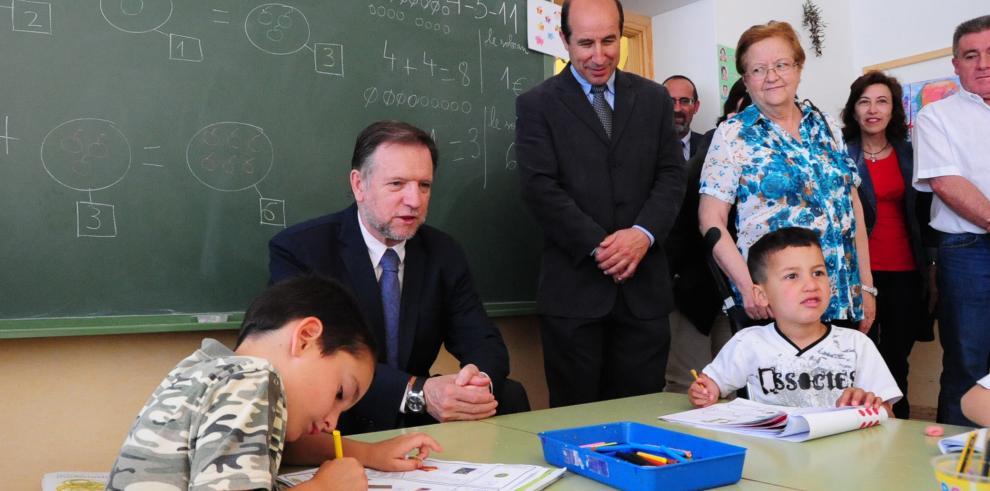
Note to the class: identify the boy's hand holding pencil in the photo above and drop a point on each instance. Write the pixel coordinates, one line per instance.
(704, 391)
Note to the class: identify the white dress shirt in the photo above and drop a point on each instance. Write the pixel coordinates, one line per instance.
(376, 249)
(952, 138)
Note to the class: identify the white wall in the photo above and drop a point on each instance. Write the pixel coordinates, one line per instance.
(859, 33)
(684, 43)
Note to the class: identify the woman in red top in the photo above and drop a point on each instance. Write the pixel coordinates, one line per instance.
(896, 218)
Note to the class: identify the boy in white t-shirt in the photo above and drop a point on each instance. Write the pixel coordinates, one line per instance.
(797, 360)
(976, 402)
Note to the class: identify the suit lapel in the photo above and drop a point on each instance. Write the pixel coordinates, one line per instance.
(354, 253)
(414, 267)
(571, 94)
(625, 98)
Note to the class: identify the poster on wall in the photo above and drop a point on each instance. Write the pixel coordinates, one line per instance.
(919, 94)
(727, 74)
(543, 28)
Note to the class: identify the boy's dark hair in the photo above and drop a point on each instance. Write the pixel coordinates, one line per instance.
(344, 327)
(776, 241)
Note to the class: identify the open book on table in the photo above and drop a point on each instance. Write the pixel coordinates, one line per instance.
(443, 475)
(447, 475)
(794, 424)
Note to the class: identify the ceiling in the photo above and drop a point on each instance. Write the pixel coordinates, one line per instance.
(650, 8)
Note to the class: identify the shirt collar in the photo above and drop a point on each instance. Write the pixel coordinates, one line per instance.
(687, 139)
(971, 96)
(586, 86)
(752, 115)
(376, 249)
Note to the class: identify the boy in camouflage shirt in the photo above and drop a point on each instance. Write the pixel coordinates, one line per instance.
(220, 418)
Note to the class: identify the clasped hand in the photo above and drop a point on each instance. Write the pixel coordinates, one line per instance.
(619, 253)
(461, 397)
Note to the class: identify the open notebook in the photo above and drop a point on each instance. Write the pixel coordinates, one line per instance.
(443, 475)
(956, 443)
(448, 475)
(793, 424)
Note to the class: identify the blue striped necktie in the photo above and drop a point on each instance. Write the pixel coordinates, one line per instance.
(391, 299)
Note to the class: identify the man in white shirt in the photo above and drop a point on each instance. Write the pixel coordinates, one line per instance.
(952, 158)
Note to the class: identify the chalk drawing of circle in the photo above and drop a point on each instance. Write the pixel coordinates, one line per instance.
(230, 156)
(86, 154)
(136, 16)
(277, 29)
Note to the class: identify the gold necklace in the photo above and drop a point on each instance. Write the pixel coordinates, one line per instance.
(872, 156)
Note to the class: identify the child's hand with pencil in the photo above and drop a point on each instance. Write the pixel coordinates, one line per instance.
(704, 391)
(345, 474)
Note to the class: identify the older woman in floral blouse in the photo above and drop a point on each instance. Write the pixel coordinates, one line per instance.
(784, 163)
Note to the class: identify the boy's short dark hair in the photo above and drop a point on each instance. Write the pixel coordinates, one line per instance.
(344, 328)
(776, 241)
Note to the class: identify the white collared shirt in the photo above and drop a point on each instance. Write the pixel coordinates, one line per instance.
(586, 88)
(951, 139)
(376, 249)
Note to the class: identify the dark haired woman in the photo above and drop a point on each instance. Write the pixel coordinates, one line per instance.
(875, 129)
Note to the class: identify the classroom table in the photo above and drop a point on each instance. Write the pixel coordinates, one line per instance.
(490, 442)
(894, 455)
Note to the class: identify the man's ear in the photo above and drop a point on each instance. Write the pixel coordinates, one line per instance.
(760, 296)
(357, 185)
(306, 334)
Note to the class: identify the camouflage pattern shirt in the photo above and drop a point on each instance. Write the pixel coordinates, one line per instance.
(216, 422)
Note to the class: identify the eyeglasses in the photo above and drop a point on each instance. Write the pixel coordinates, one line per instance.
(760, 72)
(684, 101)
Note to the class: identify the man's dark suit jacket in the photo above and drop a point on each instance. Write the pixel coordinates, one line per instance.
(581, 186)
(695, 292)
(439, 306)
(697, 143)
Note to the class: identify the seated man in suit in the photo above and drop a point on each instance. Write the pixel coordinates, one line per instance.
(413, 285)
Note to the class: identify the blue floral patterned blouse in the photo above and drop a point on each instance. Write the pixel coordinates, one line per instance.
(776, 181)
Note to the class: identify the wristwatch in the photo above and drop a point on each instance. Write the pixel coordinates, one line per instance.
(415, 397)
(872, 290)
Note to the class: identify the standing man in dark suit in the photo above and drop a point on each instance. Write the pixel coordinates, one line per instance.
(413, 285)
(684, 96)
(603, 174)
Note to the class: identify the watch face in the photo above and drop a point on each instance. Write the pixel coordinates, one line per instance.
(415, 403)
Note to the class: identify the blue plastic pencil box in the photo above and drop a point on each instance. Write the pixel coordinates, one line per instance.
(713, 463)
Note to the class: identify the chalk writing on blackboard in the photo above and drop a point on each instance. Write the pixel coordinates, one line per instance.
(95, 219)
(230, 155)
(277, 28)
(86, 154)
(31, 16)
(5, 136)
(136, 16)
(272, 211)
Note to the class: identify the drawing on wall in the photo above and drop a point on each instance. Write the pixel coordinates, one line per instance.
(727, 74)
(919, 94)
(543, 30)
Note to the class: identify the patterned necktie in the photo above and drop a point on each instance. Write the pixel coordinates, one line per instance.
(389, 283)
(602, 108)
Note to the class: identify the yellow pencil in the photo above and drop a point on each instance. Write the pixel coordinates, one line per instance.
(967, 451)
(694, 373)
(338, 446)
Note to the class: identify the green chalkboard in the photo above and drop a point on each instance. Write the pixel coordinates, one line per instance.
(150, 148)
